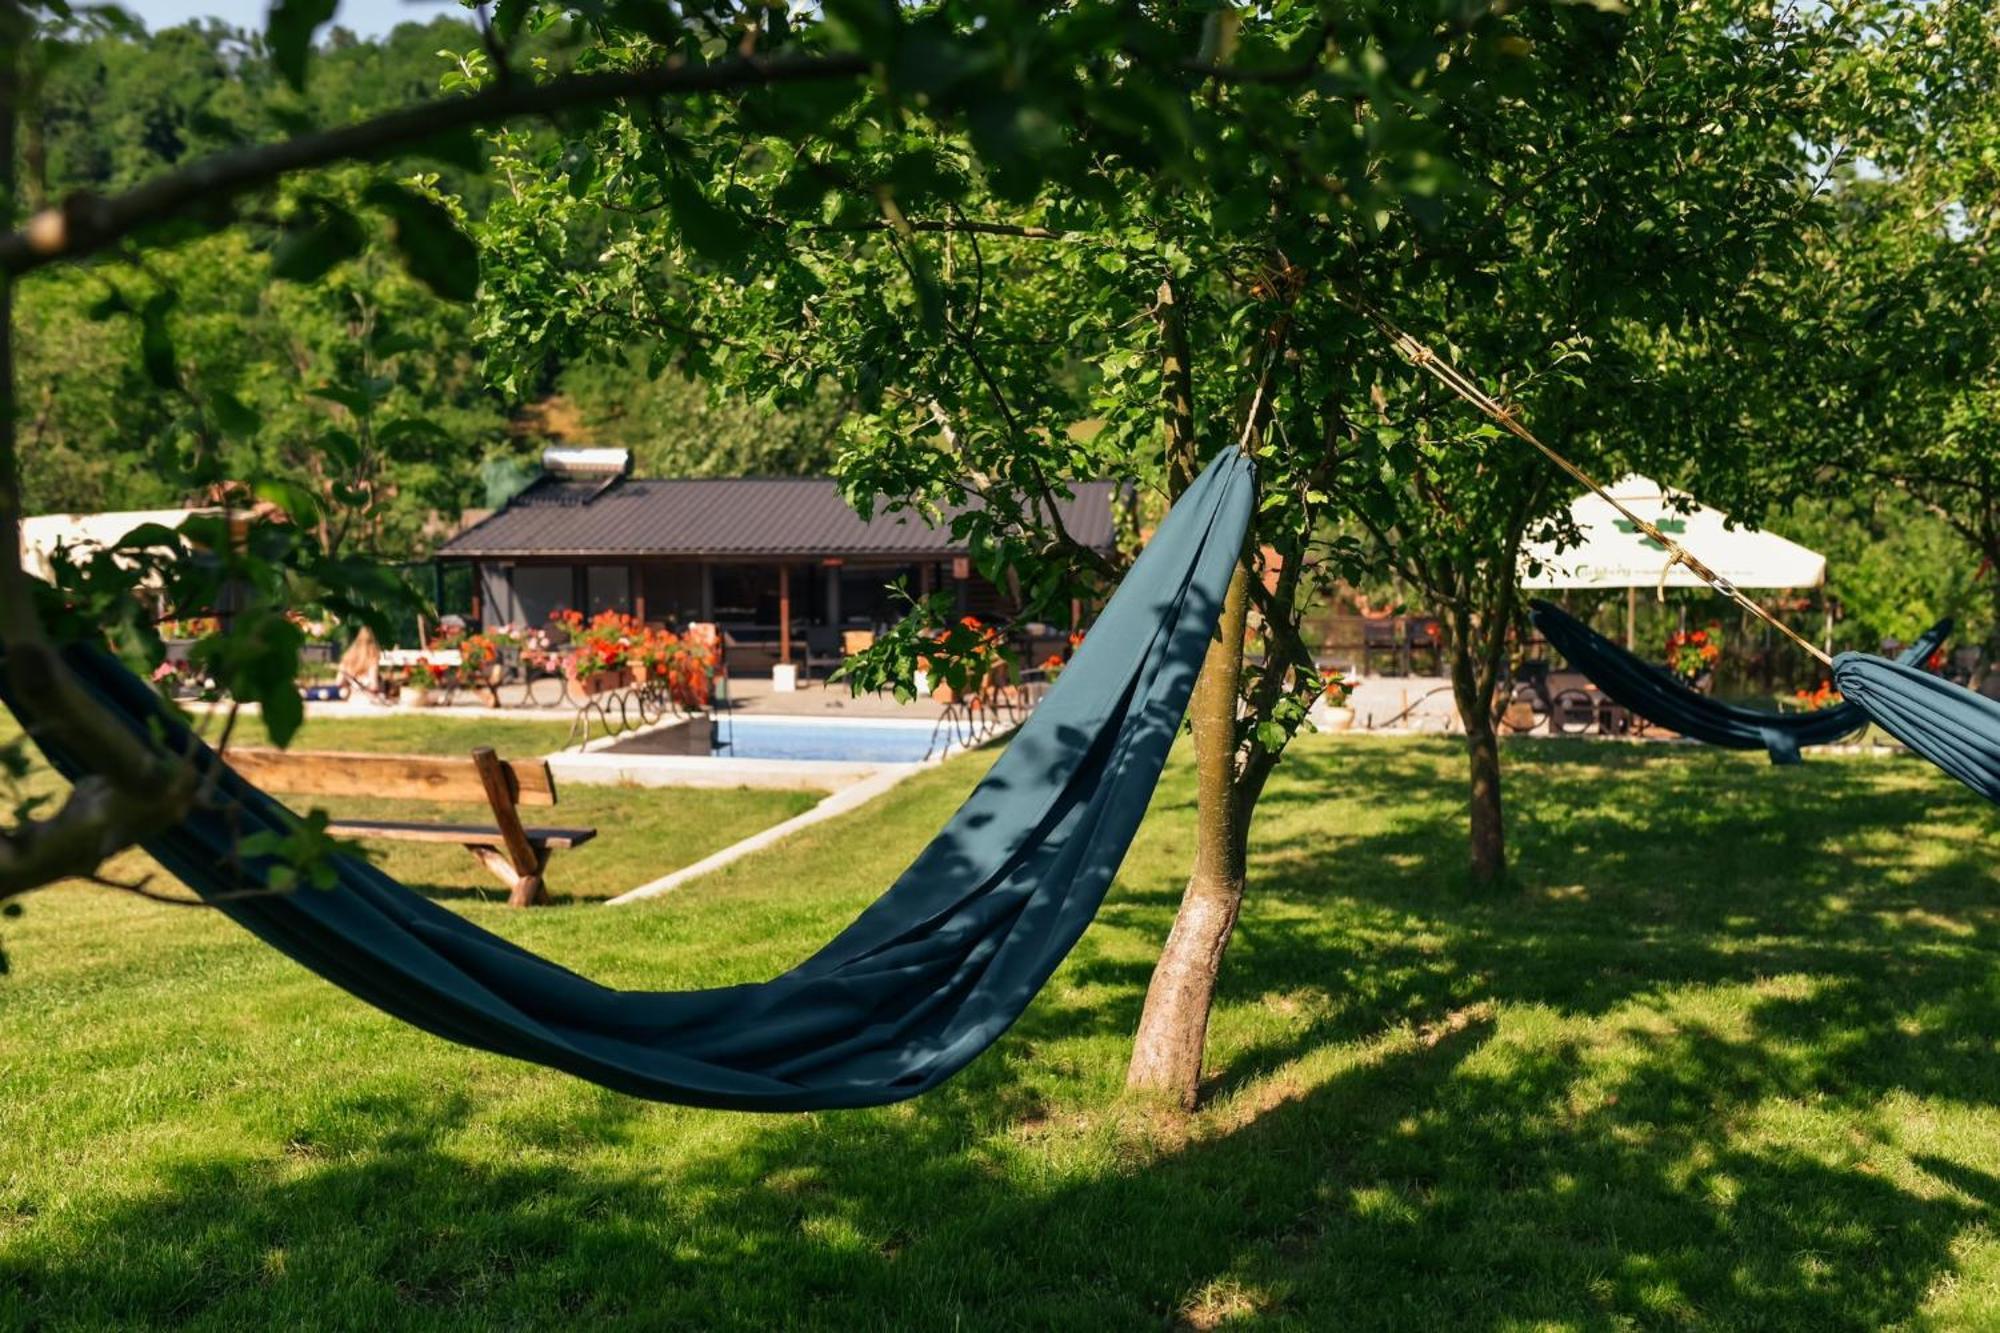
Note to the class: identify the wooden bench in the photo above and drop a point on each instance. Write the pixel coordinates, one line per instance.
(517, 854)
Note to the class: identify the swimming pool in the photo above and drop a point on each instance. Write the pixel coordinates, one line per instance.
(789, 738)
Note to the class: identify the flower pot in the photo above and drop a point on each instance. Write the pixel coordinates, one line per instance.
(1334, 717)
(415, 696)
(921, 681)
(601, 682)
(785, 678)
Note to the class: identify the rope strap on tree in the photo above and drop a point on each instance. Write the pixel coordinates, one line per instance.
(1455, 380)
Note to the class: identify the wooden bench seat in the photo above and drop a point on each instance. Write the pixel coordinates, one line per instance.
(516, 853)
(470, 835)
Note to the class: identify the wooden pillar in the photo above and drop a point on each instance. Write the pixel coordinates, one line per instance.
(635, 587)
(707, 591)
(833, 595)
(1631, 618)
(926, 572)
(785, 613)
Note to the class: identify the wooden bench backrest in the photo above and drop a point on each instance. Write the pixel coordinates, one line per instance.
(397, 776)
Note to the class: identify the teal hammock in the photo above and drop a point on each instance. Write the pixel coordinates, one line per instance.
(1655, 694)
(923, 981)
(1949, 725)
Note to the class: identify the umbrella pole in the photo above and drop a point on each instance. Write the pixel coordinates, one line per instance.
(1631, 618)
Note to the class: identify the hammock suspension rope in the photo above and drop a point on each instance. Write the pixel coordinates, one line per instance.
(1455, 380)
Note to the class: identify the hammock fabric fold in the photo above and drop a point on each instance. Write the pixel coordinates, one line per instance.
(917, 986)
(1655, 694)
(1949, 725)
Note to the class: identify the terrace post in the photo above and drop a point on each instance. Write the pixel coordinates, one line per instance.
(785, 614)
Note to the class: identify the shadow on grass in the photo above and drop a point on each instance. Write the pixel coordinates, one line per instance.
(1716, 874)
(1459, 1179)
(1413, 1189)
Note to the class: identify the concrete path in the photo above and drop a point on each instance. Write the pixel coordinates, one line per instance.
(848, 798)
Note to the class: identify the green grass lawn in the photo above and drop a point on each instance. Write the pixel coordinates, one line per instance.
(1726, 1059)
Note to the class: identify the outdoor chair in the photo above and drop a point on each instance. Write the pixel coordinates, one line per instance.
(1379, 636)
(825, 649)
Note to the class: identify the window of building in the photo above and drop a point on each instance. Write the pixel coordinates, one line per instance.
(607, 588)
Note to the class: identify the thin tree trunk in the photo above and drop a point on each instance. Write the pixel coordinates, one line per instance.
(1173, 1028)
(1489, 839)
(1472, 690)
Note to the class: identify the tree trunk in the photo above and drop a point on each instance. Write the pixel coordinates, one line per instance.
(1489, 839)
(1173, 1029)
(1482, 743)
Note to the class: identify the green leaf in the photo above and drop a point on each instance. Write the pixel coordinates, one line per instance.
(866, 25)
(233, 414)
(580, 166)
(354, 400)
(290, 33)
(508, 16)
(455, 148)
(711, 231)
(326, 235)
(299, 503)
(434, 249)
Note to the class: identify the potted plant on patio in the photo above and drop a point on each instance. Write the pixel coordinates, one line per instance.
(1331, 713)
(600, 666)
(685, 666)
(424, 677)
(480, 665)
(604, 650)
(1692, 655)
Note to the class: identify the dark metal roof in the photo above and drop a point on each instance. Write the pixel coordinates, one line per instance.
(726, 518)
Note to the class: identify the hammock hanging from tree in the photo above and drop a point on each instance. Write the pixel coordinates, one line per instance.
(923, 981)
(1657, 695)
(1949, 725)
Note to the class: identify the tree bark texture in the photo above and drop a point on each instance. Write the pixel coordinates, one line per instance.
(1173, 1027)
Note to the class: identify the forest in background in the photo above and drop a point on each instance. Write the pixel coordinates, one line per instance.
(97, 411)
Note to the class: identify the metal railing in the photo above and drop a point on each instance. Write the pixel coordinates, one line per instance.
(994, 711)
(623, 711)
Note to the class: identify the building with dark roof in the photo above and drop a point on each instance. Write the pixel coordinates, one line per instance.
(767, 559)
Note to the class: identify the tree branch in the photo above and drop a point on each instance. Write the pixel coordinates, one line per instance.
(86, 223)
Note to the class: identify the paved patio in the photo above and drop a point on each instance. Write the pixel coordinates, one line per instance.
(753, 694)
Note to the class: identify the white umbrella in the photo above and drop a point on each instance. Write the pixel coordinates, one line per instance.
(43, 533)
(1614, 554)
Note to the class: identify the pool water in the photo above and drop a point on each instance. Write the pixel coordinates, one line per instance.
(773, 738)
